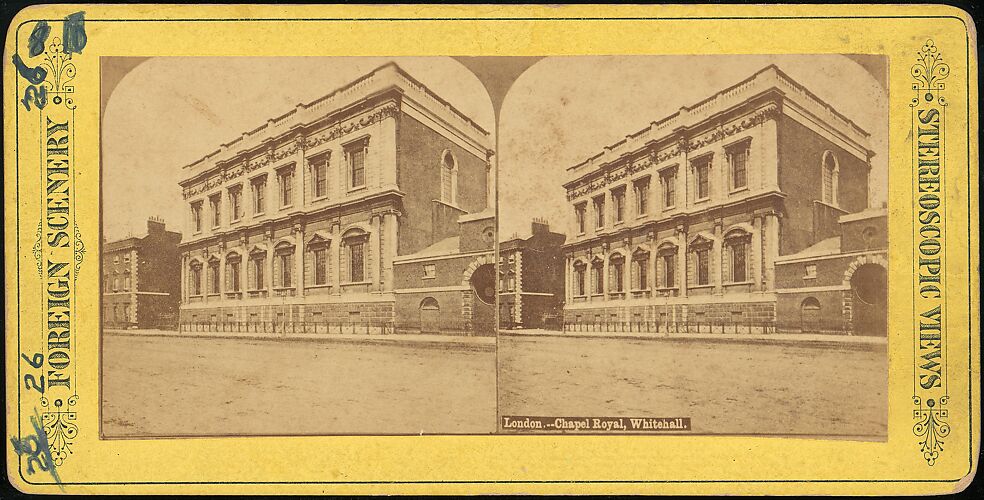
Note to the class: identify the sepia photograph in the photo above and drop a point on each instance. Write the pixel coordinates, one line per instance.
(321, 248)
(695, 244)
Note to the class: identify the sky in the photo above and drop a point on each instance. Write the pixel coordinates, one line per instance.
(171, 111)
(563, 110)
(168, 112)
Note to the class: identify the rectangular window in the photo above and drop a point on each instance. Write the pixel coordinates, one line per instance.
(579, 213)
(642, 196)
(596, 277)
(257, 263)
(430, 271)
(702, 178)
(738, 159)
(320, 266)
(319, 177)
(668, 178)
(599, 207)
(285, 178)
(811, 271)
(215, 202)
(669, 270)
(579, 280)
(196, 216)
(286, 269)
(126, 282)
(232, 275)
(235, 203)
(259, 195)
(356, 264)
(701, 264)
(196, 280)
(617, 275)
(738, 268)
(640, 272)
(213, 277)
(355, 155)
(618, 201)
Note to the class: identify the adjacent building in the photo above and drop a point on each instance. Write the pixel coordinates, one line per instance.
(449, 287)
(304, 218)
(694, 219)
(141, 279)
(531, 279)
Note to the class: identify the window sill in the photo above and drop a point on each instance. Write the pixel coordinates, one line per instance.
(669, 208)
(809, 277)
(278, 288)
(236, 221)
(357, 188)
(667, 289)
(642, 216)
(214, 294)
(287, 207)
(428, 277)
(321, 198)
(739, 283)
(618, 223)
(738, 190)
(259, 214)
(323, 285)
(702, 200)
(700, 287)
(348, 283)
(597, 295)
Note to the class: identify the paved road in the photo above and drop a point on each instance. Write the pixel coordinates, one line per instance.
(166, 386)
(724, 387)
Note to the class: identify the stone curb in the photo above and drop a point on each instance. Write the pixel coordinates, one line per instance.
(471, 345)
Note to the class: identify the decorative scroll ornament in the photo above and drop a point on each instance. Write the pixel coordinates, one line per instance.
(929, 70)
(79, 252)
(60, 428)
(931, 426)
(36, 250)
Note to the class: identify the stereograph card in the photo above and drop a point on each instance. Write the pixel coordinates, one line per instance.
(475, 249)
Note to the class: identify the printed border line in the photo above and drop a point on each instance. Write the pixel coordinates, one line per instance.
(969, 285)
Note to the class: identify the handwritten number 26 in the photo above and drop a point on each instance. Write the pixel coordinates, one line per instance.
(29, 381)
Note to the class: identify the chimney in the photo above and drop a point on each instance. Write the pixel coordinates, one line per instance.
(155, 225)
(540, 226)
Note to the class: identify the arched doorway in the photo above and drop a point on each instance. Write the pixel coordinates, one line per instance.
(869, 290)
(430, 315)
(482, 283)
(810, 315)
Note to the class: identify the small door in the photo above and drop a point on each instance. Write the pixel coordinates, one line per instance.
(430, 316)
(810, 315)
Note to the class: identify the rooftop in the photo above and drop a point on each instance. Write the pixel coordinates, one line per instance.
(770, 77)
(447, 246)
(386, 76)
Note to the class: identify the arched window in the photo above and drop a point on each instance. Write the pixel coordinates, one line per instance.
(317, 248)
(830, 173)
(430, 303)
(449, 178)
(868, 237)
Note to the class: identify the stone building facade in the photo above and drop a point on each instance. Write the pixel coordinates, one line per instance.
(685, 220)
(300, 220)
(141, 279)
(531, 279)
